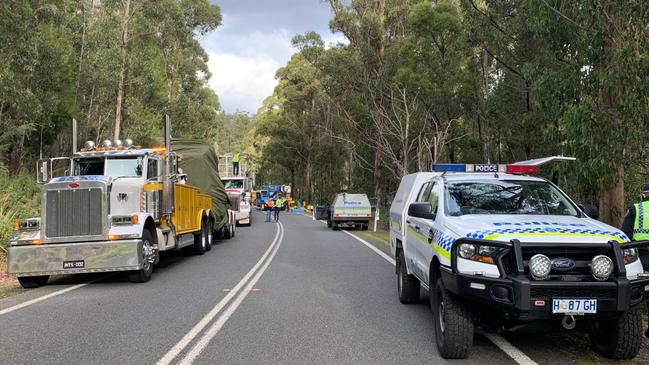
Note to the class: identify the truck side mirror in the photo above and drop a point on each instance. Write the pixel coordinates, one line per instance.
(42, 171)
(590, 210)
(421, 210)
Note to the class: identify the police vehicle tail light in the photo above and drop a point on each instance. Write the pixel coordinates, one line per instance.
(601, 267)
(484, 254)
(540, 266)
(630, 255)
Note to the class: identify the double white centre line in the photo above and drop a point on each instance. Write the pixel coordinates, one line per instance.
(244, 287)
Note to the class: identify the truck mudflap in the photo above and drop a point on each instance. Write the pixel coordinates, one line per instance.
(75, 258)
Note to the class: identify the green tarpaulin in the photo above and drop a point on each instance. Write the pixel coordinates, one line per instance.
(200, 163)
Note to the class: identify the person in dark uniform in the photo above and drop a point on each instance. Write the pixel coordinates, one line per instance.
(636, 226)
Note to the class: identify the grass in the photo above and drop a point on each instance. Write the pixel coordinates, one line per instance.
(8, 285)
(380, 236)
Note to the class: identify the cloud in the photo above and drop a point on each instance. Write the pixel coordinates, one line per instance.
(255, 41)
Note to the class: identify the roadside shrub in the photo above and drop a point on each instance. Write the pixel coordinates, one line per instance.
(19, 198)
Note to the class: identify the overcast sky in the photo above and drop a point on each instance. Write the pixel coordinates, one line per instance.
(253, 42)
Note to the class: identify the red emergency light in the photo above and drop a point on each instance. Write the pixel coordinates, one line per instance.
(522, 169)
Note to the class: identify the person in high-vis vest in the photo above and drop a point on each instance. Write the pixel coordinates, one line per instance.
(636, 226)
(235, 163)
(268, 207)
(279, 203)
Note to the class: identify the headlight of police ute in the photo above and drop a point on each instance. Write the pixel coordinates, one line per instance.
(601, 267)
(540, 266)
(630, 255)
(466, 250)
(479, 253)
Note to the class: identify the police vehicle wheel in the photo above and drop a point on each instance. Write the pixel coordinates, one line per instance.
(407, 285)
(209, 234)
(200, 241)
(619, 339)
(453, 323)
(143, 275)
(30, 282)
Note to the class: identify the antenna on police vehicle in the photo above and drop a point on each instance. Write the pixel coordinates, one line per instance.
(544, 160)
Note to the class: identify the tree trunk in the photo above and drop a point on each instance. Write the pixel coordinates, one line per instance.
(16, 155)
(122, 71)
(611, 201)
(377, 177)
(308, 179)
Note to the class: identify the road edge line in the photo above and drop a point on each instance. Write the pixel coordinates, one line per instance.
(209, 335)
(44, 297)
(170, 355)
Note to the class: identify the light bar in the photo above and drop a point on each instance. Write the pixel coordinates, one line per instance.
(450, 167)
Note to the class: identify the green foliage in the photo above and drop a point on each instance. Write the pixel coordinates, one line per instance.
(19, 198)
(64, 59)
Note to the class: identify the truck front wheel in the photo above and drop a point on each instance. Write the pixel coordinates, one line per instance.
(453, 323)
(619, 339)
(31, 282)
(407, 285)
(148, 258)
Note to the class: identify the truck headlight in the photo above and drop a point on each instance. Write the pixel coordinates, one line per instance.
(630, 255)
(22, 225)
(125, 220)
(601, 267)
(540, 266)
(479, 253)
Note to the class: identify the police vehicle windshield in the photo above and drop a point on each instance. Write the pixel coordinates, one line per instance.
(506, 197)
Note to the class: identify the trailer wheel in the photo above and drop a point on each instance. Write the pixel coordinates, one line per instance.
(328, 223)
(227, 231)
(209, 234)
(200, 240)
(365, 227)
(453, 323)
(148, 256)
(334, 226)
(31, 282)
(619, 339)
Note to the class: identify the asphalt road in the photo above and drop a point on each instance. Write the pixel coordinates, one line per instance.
(290, 293)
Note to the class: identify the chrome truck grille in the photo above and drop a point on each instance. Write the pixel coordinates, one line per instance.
(74, 212)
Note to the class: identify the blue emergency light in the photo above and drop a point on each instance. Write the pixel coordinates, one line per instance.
(448, 167)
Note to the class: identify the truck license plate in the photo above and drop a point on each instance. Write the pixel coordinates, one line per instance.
(77, 264)
(574, 306)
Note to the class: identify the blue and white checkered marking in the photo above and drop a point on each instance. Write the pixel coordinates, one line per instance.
(538, 223)
(442, 240)
(508, 231)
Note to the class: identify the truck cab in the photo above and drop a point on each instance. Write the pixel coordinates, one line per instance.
(501, 249)
(238, 189)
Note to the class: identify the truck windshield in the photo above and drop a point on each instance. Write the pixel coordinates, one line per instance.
(113, 167)
(233, 184)
(506, 197)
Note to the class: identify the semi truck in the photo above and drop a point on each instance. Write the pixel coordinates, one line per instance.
(118, 207)
(238, 190)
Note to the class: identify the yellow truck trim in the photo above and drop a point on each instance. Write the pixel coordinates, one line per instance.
(152, 187)
(190, 205)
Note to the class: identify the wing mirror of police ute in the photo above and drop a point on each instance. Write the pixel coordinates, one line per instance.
(590, 210)
(421, 210)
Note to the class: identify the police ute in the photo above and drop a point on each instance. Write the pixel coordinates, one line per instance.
(499, 249)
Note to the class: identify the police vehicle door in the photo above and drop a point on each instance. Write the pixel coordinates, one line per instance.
(420, 233)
